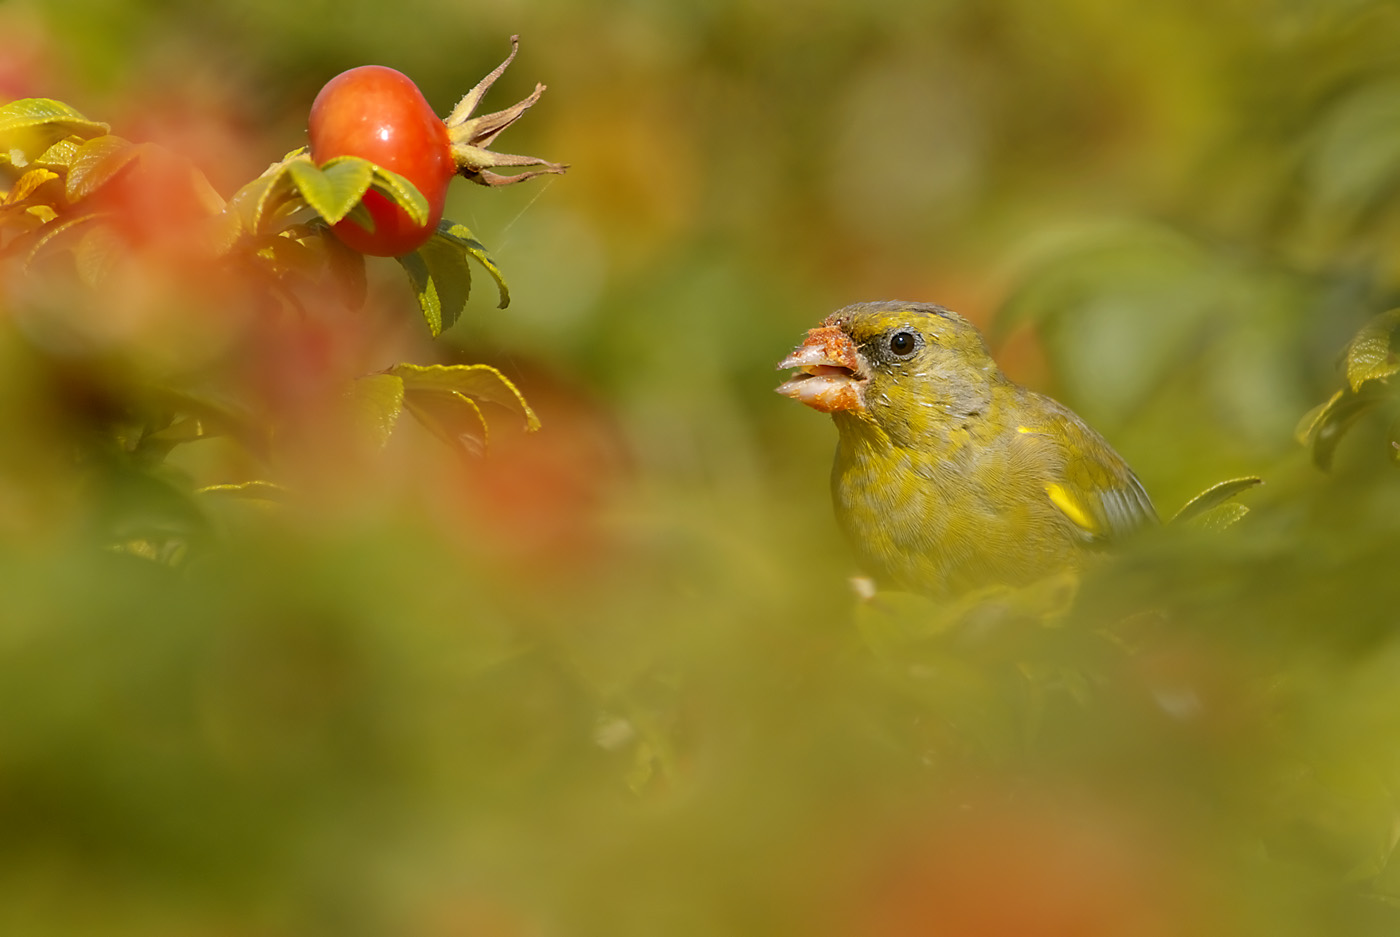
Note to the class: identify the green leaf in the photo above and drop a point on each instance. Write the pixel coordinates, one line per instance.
(1308, 425)
(97, 254)
(222, 231)
(334, 189)
(243, 206)
(288, 255)
(361, 216)
(249, 203)
(453, 276)
(347, 269)
(23, 220)
(461, 236)
(185, 430)
(441, 277)
(404, 193)
(1323, 427)
(155, 446)
(377, 401)
(96, 162)
(56, 237)
(30, 112)
(257, 203)
(255, 490)
(27, 184)
(450, 277)
(231, 504)
(416, 266)
(1216, 496)
(1369, 356)
(444, 398)
(137, 505)
(452, 417)
(1219, 517)
(29, 126)
(60, 155)
(479, 381)
(272, 202)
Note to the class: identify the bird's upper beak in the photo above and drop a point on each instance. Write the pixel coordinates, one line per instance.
(832, 375)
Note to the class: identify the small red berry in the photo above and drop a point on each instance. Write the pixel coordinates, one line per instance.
(378, 114)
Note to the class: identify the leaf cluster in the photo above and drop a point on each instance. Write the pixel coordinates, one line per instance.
(1370, 361)
(75, 207)
(444, 398)
(61, 160)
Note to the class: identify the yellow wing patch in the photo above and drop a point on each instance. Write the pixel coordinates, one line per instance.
(1071, 508)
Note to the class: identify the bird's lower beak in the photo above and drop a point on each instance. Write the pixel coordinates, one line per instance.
(831, 373)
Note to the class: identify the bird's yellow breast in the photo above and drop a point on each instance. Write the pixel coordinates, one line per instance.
(961, 511)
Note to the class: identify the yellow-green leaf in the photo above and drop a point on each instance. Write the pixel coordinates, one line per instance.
(452, 417)
(347, 269)
(60, 155)
(288, 254)
(256, 203)
(443, 398)
(451, 277)
(27, 184)
(403, 192)
(1324, 426)
(1307, 426)
(424, 288)
(377, 401)
(248, 202)
(30, 112)
(25, 218)
(97, 254)
(96, 162)
(30, 126)
(255, 490)
(188, 429)
(1369, 356)
(461, 236)
(361, 216)
(441, 276)
(480, 381)
(1219, 517)
(334, 189)
(1214, 497)
(223, 230)
(56, 237)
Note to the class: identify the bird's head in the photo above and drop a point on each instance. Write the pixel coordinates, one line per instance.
(893, 361)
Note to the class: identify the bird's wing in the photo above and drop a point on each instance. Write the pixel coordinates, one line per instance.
(1093, 487)
(1120, 508)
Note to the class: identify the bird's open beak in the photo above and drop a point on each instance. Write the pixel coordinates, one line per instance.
(832, 374)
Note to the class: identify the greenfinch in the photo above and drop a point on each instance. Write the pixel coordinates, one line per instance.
(949, 477)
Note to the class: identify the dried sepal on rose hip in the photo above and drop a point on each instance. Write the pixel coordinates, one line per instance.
(378, 114)
(472, 135)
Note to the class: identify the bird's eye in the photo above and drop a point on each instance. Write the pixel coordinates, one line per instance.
(903, 343)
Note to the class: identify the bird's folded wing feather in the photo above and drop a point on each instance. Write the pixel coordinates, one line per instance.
(1097, 490)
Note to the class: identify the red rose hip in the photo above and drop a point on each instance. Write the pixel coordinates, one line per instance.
(378, 114)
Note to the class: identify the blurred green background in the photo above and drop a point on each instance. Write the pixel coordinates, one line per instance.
(609, 679)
